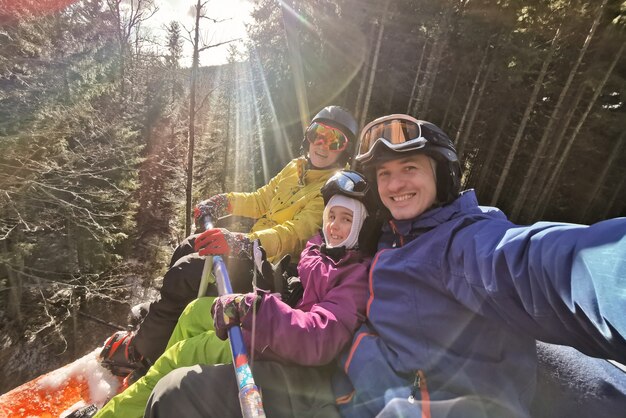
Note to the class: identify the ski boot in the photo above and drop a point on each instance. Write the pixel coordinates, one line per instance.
(121, 358)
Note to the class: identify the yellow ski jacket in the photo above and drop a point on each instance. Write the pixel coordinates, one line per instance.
(288, 209)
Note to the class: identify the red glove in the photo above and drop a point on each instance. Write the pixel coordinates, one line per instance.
(220, 241)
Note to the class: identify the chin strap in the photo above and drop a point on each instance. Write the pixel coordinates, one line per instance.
(336, 253)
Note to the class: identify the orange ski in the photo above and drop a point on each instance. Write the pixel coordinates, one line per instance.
(61, 391)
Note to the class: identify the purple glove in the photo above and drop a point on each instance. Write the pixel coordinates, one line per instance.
(231, 310)
(215, 207)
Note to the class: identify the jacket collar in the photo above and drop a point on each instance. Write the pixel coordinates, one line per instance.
(307, 174)
(335, 253)
(430, 219)
(338, 255)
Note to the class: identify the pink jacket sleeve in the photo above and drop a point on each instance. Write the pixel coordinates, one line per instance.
(315, 337)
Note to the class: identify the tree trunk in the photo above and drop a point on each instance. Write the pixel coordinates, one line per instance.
(470, 123)
(430, 75)
(417, 75)
(450, 99)
(14, 298)
(493, 145)
(295, 59)
(459, 139)
(556, 149)
(600, 179)
(525, 119)
(114, 6)
(547, 191)
(364, 75)
(392, 95)
(370, 83)
(227, 149)
(617, 191)
(72, 267)
(531, 173)
(192, 120)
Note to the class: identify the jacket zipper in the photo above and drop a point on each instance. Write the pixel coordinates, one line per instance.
(419, 385)
(398, 235)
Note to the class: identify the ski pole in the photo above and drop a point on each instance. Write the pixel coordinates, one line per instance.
(207, 270)
(249, 396)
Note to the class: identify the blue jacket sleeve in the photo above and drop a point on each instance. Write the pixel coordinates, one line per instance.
(560, 283)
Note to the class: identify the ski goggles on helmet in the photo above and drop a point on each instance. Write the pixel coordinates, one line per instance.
(397, 132)
(332, 138)
(348, 183)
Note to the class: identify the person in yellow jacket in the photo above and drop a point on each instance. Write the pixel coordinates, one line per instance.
(288, 211)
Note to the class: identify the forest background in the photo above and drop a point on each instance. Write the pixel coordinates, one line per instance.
(104, 146)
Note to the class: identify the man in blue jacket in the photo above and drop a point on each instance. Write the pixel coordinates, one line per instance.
(459, 294)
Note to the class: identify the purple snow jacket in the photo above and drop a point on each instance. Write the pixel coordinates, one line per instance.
(323, 322)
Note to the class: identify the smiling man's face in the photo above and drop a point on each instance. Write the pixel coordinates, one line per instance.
(407, 186)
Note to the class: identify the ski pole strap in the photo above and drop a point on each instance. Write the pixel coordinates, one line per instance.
(249, 395)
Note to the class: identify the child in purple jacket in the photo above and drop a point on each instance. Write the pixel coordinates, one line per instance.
(332, 272)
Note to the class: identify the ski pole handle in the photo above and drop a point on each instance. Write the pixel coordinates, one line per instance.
(207, 222)
(249, 395)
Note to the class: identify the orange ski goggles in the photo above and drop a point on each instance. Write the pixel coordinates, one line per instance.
(397, 132)
(319, 133)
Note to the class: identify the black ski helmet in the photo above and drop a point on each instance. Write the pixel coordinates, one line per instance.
(354, 185)
(340, 118)
(389, 137)
(350, 184)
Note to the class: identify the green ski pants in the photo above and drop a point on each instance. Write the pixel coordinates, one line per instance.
(193, 341)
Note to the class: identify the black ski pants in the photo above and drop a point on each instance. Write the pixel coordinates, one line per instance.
(203, 391)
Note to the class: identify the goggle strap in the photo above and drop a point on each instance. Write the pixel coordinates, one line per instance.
(402, 147)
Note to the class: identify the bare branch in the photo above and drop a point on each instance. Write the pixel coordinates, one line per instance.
(8, 233)
(218, 44)
(189, 37)
(204, 99)
(215, 20)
